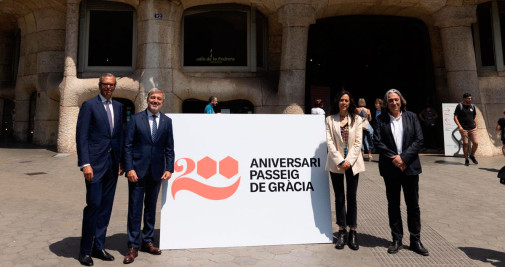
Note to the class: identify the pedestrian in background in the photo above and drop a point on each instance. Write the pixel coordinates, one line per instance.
(344, 136)
(365, 114)
(428, 117)
(398, 139)
(465, 117)
(501, 128)
(209, 109)
(318, 107)
(378, 107)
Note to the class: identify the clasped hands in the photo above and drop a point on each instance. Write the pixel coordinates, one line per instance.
(132, 176)
(345, 166)
(398, 162)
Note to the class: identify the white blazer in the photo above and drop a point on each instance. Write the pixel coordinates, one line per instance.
(336, 145)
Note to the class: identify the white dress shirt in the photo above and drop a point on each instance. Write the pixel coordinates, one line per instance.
(397, 130)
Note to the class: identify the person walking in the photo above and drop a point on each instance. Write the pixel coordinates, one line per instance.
(465, 117)
(344, 136)
(99, 140)
(149, 159)
(398, 139)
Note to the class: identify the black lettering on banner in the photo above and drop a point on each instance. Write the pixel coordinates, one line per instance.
(254, 163)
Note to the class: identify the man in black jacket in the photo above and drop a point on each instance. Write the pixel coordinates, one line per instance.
(398, 138)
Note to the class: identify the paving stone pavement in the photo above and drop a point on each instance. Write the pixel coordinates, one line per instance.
(462, 213)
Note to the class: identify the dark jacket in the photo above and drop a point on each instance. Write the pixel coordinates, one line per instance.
(141, 151)
(94, 140)
(386, 147)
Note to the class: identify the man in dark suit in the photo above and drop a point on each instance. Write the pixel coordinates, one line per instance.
(149, 159)
(99, 138)
(398, 138)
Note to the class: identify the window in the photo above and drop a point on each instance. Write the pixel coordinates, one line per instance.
(224, 38)
(107, 36)
(488, 36)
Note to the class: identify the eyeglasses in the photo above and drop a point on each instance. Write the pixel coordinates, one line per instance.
(109, 84)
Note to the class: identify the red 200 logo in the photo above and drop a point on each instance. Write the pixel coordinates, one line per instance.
(206, 168)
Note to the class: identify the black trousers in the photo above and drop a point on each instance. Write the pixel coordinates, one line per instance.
(410, 185)
(344, 218)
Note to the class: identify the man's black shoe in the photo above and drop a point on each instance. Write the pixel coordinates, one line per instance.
(474, 160)
(85, 260)
(341, 239)
(395, 246)
(467, 162)
(102, 254)
(418, 248)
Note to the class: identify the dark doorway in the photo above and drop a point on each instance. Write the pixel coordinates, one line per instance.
(367, 55)
(233, 106)
(128, 109)
(7, 120)
(31, 116)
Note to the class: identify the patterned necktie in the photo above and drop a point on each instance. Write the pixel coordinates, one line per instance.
(155, 128)
(109, 115)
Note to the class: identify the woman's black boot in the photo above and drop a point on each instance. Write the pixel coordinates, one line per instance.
(353, 240)
(341, 239)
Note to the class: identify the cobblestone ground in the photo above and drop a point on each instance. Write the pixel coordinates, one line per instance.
(462, 213)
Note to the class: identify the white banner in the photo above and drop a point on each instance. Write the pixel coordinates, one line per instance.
(246, 180)
(452, 138)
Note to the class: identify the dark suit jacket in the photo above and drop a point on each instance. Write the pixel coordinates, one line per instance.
(385, 144)
(140, 150)
(93, 137)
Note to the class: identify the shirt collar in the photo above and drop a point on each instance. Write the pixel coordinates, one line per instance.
(151, 114)
(103, 98)
(395, 119)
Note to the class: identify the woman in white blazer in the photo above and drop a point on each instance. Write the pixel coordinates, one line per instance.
(344, 136)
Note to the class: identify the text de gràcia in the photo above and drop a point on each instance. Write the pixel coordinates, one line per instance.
(280, 174)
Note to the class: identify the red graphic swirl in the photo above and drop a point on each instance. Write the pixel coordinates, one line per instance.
(203, 190)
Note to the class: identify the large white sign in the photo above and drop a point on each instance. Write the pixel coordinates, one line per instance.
(246, 180)
(453, 145)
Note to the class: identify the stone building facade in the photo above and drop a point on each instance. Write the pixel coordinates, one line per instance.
(42, 74)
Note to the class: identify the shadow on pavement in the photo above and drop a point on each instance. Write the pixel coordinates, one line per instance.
(448, 162)
(12, 144)
(495, 258)
(369, 241)
(69, 247)
(489, 169)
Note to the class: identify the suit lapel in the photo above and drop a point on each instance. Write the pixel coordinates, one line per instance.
(145, 125)
(387, 129)
(160, 127)
(405, 124)
(117, 116)
(102, 112)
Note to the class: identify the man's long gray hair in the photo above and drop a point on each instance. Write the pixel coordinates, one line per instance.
(402, 99)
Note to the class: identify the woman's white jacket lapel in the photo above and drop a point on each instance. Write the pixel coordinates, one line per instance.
(336, 145)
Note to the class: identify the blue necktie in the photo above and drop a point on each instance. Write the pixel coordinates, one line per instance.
(109, 115)
(155, 128)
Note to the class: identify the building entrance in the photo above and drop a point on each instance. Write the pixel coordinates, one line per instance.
(233, 106)
(367, 55)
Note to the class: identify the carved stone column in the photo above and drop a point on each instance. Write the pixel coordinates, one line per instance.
(295, 20)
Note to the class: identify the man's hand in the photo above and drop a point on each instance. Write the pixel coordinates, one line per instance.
(132, 176)
(398, 161)
(167, 175)
(403, 166)
(121, 170)
(88, 173)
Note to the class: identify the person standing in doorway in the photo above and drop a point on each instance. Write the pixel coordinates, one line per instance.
(318, 107)
(344, 136)
(501, 128)
(149, 159)
(398, 139)
(99, 140)
(209, 109)
(465, 117)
